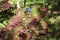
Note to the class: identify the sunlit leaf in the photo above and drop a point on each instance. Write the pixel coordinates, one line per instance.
(2, 25)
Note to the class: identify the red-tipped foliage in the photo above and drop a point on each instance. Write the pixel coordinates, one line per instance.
(43, 11)
(5, 6)
(7, 28)
(15, 22)
(35, 23)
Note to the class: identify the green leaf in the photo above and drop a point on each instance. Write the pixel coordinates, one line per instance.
(2, 25)
(15, 1)
(5, 22)
(53, 27)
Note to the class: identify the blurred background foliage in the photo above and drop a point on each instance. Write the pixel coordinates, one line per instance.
(53, 15)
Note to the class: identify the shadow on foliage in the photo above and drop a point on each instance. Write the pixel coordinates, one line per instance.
(5, 15)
